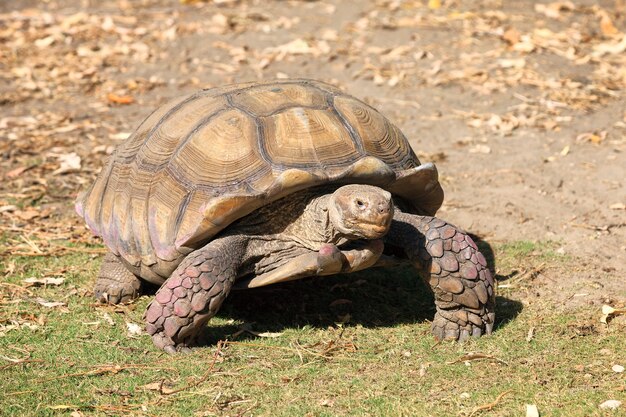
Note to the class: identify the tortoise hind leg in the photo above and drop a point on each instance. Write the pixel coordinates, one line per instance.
(194, 293)
(449, 261)
(115, 283)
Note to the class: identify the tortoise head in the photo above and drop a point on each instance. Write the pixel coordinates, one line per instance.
(361, 211)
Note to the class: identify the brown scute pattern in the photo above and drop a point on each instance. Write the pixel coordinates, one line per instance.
(202, 161)
(225, 148)
(379, 137)
(301, 137)
(266, 100)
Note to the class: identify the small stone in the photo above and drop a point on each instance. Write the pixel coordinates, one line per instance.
(449, 263)
(192, 271)
(173, 282)
(464, 395)
(180, 292)
(448, 232)
(435, 248)
(618, 368)
(182, 308)
(164, 295)
(469, 271)
(186, 283)
(452, 285)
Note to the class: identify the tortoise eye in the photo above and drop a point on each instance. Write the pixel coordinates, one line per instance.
(360, 203)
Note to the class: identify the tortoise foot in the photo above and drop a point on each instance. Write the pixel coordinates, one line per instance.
(116, 284)
(193, 294)
(460, 324)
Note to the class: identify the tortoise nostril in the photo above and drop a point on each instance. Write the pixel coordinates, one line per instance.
(383, 208)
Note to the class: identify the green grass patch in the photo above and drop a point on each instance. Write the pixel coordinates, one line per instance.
(354, 345)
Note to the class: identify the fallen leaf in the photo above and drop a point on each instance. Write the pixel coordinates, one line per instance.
(157, 386)
(133, 329)
(618, 206)
(44, 281)
(565, 150)
(117, 99)
(16, 172)
(531, 410)
(50, 304)
(606, 24)
(28, 214)
(609, 312)
(611, 404)
(69, 162)
(512, 36)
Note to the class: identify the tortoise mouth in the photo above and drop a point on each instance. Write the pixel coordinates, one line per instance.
(367, 230)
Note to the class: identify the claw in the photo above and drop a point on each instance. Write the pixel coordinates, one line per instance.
(464, 335)
(477, 332)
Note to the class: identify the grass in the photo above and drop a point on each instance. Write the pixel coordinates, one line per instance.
(349, 345)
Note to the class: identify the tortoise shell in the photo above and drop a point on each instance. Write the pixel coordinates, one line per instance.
(204, 160)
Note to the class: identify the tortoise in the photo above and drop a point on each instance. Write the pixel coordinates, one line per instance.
(251, 184)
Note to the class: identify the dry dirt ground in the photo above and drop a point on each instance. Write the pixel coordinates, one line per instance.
(521, 105)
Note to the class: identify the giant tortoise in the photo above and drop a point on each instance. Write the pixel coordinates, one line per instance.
(251, 184)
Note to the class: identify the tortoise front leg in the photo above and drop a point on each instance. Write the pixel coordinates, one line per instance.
(115, 283)
(194, 293)
(449, 261)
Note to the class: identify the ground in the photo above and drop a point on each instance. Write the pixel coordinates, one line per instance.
(521, 105)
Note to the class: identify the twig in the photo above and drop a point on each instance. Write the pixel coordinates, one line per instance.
(490, 405)
(19, 362)
(475, 356)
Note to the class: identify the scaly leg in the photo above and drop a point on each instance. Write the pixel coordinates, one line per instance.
(449, 261)
(115, 284)
(194, 293)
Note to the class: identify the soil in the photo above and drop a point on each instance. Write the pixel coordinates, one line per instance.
(521, 105)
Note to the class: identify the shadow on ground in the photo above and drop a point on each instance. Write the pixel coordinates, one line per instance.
(372, 298)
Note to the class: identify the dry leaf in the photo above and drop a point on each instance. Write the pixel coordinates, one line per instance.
(512, 36)
(28, 214)
(618, 206)
(531, 410)
(611, 405)
(44, 281)
(16, 172)
(606, 24)
(434, 4)
(609, 312)
(117, 99)
(133, 329)
(68, 163)
(157, 386)
(49, 304)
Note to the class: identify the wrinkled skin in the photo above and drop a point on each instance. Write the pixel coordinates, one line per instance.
(318, 232)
